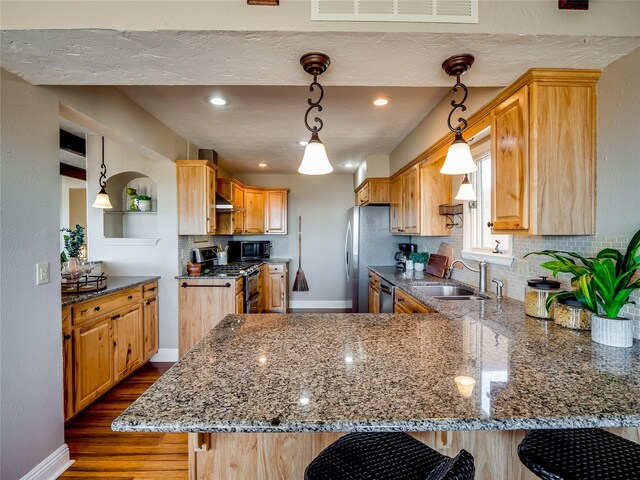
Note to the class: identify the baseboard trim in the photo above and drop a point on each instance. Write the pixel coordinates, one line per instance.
(165, 355)
(51, 467)
(325, 304)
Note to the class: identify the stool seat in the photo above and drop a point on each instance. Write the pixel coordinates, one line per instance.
(580, 454)
(387, 456)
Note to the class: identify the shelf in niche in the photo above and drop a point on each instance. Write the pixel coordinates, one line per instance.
(130, 241)
(127, 212)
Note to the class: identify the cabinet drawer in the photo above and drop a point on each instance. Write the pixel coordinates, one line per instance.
(277, 268)
(374, 279)
(150, 290)
(406, 303)
(92, 308)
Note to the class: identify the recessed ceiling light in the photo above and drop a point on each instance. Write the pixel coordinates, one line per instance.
(381, 101)
(218, 100)
(303, 143)
(262, 164)
(348, 164)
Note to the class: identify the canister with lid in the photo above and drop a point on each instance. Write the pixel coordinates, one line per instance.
(569, 312)
(536, 294)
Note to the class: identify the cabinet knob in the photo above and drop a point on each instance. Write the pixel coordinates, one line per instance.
(67, 336)
(116, 316)
(130, 297)
(97, 309)
(489, 224)
(148, 302)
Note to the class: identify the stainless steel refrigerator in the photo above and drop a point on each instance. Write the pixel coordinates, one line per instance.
(368, 242)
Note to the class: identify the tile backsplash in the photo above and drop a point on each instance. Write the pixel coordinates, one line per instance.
(514, 283)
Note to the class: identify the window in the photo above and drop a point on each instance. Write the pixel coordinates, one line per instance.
(479, 242)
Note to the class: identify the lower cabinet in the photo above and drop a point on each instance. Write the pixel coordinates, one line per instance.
(277, 288)
(374, 293)
(405, 303)
(104, 340)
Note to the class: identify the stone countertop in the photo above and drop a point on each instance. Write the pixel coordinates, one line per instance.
(208, 276)
(114, 284)
(386, 372)
(278, 260)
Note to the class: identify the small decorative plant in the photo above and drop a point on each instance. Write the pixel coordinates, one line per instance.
(144, 197)
(601, 284)
(73, 241)
(419, 257)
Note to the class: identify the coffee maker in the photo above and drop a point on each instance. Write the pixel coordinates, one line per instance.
(404, 250)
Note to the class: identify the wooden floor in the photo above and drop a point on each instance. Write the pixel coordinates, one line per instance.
(101, 453)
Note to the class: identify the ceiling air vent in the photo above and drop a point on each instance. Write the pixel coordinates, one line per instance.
(439, 11)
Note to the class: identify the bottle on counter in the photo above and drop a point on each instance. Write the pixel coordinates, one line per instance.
(535, 297)
(569, 313)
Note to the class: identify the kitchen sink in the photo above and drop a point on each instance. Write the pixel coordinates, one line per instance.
(443, 290)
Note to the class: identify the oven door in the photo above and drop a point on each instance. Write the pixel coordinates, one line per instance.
(254, 304)
(252, 297)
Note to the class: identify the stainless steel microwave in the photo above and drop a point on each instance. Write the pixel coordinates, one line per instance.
(248, 250)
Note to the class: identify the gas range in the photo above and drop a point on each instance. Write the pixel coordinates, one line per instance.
(233, 270)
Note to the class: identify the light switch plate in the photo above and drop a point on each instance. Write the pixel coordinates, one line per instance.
(42, 273)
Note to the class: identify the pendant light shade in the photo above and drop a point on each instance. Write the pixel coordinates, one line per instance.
(459, 159)
(315, 160)
(102, 199)
(466, 191)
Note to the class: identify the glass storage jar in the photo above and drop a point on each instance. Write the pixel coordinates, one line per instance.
(569, 313)
(536, 294)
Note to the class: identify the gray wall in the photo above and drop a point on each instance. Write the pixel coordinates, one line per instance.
(31, 352)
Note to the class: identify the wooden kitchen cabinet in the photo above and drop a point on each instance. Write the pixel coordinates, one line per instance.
(277, 288)
(405, 202)
(543, 155)
(395, 205)
(374, 293)
(196, 197)
(405, 303)
(435, 190)
(104, 340)
(263, 285)
(202, 304)
(230, 222)
(275, 211)
(254, 210)
(373, 191)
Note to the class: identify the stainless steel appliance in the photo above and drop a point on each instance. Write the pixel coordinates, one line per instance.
(367, 242)
(386, 296)
(248, 250)
(404, 250)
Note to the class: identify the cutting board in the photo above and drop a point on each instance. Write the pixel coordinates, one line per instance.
(446, 250)
(437, 265)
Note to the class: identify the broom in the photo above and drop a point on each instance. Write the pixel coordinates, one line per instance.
(300, 284)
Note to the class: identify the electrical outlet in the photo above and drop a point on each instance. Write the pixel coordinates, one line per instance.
(42, 273)
(523, 268)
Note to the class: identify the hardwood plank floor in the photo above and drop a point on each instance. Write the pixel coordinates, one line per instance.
(101, 453)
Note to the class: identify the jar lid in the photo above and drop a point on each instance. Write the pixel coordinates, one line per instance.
(571, 301)
(543, 283)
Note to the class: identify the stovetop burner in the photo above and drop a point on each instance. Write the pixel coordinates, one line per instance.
(234, 269)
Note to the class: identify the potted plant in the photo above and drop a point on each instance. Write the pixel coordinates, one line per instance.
(603, 285)
(419, 259)
(144, 203)
(73, 241)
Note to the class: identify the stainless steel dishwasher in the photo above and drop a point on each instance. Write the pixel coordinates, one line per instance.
(386, 296)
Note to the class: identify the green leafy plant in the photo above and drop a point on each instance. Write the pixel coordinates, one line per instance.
(419, 257)
(602, 283)
(73, 240)
(144, 197)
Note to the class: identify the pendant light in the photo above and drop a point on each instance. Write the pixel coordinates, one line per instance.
(102, 199)
(315, 160)
(466, 191)
(459, 159)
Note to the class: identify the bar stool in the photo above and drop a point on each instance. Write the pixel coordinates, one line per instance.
(580, 454)
(386, 456)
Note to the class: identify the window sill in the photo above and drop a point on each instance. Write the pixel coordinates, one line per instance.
(493, 258)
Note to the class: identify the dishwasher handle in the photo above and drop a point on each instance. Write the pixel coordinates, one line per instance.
(385, 289)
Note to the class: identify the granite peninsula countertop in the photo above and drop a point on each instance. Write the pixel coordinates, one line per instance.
(386, 372)
(114, 284)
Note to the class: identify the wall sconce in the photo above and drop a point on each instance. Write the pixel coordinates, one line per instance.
(315, 160)
(102, 199)
(459, 160)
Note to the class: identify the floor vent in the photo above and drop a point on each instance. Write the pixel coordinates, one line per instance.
(436, 11)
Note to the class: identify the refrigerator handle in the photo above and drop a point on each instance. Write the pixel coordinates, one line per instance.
(346, 250)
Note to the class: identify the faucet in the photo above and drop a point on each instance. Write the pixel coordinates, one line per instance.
(499, 286)
(482, 270)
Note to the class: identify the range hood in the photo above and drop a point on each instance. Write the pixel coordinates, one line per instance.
(222, 204)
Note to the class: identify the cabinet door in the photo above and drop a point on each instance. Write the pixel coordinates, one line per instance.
(150, 320)
(395, 205)
(127, 341)
(238, 214)
(374, 298)
(266, 286)
(411, 201)
(240, 303)
(211, 201)
(510, 164)
(67, 363)
(254, 211)
(435, 190)
(278, 282)
(93, 367)
(276, 211)
(379, 191)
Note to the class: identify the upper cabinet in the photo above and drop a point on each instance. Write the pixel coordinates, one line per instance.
(230, 222)
(275, 211)
(196, 197)
(373, 191)
(254, 210)
(543, 154)
(404, 196)
(395, 205)
(435, 190)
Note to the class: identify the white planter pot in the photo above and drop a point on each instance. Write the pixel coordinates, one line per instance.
(144, 205)
(614, 332)
(419, 267)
